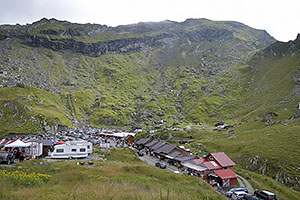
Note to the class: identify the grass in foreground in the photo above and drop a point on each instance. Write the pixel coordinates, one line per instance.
(115, 178)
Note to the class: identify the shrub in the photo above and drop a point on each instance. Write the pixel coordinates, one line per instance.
(22, 178)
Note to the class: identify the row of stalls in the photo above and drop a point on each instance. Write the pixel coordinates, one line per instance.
(215, 168)
(30, 149)
(120, 138)
(120, 135)
(35, 148)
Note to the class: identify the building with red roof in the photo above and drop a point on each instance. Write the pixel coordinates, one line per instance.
(215, 168)
(221, 158)
(226, 174)
(211, 165)
(226, 177)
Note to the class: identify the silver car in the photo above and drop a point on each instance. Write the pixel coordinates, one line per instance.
(229, 193)
(238, 195)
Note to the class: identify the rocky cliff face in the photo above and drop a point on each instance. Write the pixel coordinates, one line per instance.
(129, 45)
(271, 168)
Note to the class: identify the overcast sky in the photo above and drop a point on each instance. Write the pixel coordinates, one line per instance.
(280, 18)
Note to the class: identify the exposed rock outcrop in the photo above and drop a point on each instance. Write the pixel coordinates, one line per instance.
(268, 116)
(129, 45)
(269, 168)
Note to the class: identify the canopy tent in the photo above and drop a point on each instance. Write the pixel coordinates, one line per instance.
(18, 143)
(123, 134)
(120, 135)
(6, 142)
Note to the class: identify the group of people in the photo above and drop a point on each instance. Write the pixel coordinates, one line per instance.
(16, 152)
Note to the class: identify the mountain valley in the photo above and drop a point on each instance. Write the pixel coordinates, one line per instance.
(159, 76)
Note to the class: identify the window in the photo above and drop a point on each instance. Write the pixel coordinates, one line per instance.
(214, 163)
(59, 150)
(88, 147)
(73, 150)
(82, 149)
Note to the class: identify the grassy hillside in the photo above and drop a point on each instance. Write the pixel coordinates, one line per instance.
(122, 176)
(261, 142)
(261, 102)
(146, 75)
(260, 181)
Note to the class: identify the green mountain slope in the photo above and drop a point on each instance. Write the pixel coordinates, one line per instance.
(150, 75)
(265, 116)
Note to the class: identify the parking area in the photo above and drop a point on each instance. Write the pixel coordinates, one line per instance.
(152, 161)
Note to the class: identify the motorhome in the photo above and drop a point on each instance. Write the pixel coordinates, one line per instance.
(72, 149)
(89, 145)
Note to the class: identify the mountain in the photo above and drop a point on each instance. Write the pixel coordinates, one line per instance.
(159, 75)
(148, 75)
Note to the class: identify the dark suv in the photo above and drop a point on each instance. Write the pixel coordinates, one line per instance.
(7, 158)
(160, 165)
(264, 194)
(140, 153)
(250, 197)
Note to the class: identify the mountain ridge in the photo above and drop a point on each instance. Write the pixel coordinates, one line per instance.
(61, 57)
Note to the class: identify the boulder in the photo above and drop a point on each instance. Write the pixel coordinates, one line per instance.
(296, 76)
(296, 114)
(269, 122)
(139, 97)
(69, 83)
(268, 116)
(109, 121)
(20, 85)
(11, 107)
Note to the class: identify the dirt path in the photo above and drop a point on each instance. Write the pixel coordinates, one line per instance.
(241, 183)
(244, 183)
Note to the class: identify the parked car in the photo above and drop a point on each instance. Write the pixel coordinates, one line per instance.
(7, 158)
(264, 194)
(238, 195)
(229, 193)
(163, 166)
(160, 165)
(250, 197)
(140, 153)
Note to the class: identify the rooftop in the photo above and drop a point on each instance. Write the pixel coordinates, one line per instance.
(152, 143)
(143, 141)
(226, 174)
(157, 145)
(167, 148)
(222, 159)
(183, 158)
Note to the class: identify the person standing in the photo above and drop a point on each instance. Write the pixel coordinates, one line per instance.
(22, 156)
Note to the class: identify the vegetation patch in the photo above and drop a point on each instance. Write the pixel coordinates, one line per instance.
(21, 178)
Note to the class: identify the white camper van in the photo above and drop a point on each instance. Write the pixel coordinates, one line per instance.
(72, 149)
